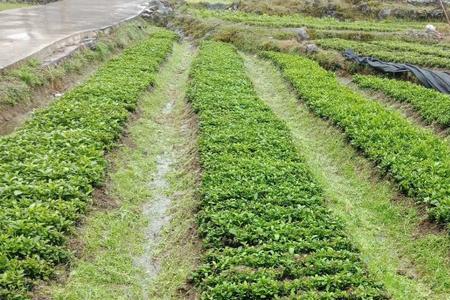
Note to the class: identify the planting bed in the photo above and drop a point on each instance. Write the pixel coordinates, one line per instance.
(434, 107)
(380, 51)
(310, 22)
(264, 225)
(225, 172)
(417, 160)
(50, 166)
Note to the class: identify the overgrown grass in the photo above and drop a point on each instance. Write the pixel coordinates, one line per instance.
(12, 5)
(404, 252)
(343, 9)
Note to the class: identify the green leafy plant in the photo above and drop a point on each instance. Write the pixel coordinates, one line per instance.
(416, 159)
(426, 49)
(49, 167)
(298, 20)
(263, 221)
(433, 106)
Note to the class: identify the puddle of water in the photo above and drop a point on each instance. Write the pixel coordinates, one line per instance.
(156, 211)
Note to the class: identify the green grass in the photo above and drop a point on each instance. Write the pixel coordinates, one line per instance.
(113, 239)
(387, 228)
(6, 6)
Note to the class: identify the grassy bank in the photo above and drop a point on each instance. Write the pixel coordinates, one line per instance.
(30, 80)
(12, 5)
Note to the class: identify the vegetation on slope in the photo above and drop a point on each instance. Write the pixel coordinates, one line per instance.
(11, 5)
(416, 159)
(49, 167)
(18, 84)
(433, 106)
(263, 221)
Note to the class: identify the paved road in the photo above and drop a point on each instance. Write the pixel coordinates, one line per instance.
(26, 31)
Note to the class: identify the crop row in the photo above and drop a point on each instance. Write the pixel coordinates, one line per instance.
(434, 107)
(49, 167)
(416, 159)
(384, 53)
(427, 49)
(310, 22)
(263, 222)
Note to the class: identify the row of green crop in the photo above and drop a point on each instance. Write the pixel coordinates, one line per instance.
(434, 107)
(426, 49)
(384, 53)
(263, 221)
(310, 22)
(49, 167)
(416, 159)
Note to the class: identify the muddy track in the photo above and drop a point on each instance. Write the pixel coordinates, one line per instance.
(146, 246)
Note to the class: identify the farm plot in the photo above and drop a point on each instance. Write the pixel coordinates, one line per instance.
(427, 49)
(388, 53)
(50, 166)
(433, 107)
(263, 220)
(310, 22)
(417, 160)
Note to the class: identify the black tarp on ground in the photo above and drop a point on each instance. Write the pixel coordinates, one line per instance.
(437, 80)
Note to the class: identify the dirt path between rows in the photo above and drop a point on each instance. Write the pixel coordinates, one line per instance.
(145, 247)
(159, 211)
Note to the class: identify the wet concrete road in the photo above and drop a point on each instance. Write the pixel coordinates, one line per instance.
(26, 31)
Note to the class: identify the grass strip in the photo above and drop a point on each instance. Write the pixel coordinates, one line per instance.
(263, 222)
(434, 107)
(416, 159)
(50, 166)
(116, 252)
(13, 5)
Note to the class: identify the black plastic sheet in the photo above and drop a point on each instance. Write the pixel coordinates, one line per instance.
(437, 80)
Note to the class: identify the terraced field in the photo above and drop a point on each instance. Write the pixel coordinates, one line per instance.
(232, 155)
